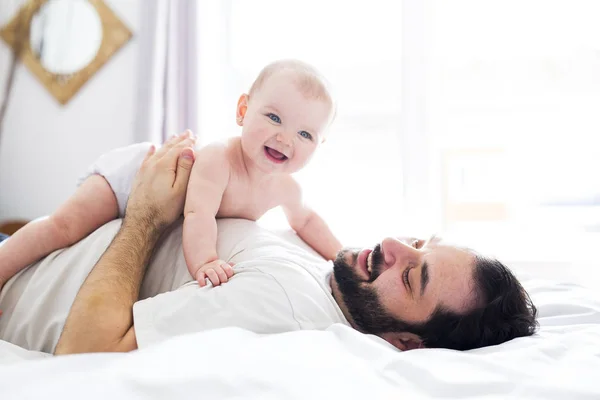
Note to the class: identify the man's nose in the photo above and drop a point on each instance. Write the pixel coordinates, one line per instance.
(395, 251)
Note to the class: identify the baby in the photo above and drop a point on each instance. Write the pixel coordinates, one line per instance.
(283, 118)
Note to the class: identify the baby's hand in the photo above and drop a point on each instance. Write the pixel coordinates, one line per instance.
(217, 271)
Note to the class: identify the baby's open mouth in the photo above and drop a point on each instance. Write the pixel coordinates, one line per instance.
(275, 155)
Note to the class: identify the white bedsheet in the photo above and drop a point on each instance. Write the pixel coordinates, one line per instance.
(561, 362)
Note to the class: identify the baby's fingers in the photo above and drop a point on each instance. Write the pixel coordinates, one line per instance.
(228, 268)
(213, 276)
(224, 272)
(201, 278)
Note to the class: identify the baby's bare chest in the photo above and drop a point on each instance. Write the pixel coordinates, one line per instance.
(243, 200)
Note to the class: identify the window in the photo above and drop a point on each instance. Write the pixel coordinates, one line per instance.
(477, 118)
(357, 47)
(513, 94)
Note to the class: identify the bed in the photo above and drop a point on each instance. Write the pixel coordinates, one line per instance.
(562, 361)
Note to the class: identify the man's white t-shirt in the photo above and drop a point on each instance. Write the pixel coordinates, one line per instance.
(278, 286)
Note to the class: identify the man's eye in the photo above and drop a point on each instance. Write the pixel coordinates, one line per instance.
(274, 118)
(305, 135)
(405, 278)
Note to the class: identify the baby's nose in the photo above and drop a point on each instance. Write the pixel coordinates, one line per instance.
(284, 138)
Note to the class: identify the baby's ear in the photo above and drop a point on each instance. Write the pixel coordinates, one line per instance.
(242, 107)
(403, 340)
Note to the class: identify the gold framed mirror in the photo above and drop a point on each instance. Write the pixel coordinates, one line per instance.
(65, 42)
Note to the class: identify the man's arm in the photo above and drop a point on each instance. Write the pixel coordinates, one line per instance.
(101, 318)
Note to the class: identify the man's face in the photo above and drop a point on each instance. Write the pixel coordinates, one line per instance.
(401, 282)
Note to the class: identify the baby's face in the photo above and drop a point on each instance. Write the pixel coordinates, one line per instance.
(282, 127)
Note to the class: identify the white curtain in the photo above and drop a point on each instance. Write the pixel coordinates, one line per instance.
(167, 95)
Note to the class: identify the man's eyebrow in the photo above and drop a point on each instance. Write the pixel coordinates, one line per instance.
(424, 277)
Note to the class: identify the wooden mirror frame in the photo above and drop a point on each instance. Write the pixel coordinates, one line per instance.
(64, 86)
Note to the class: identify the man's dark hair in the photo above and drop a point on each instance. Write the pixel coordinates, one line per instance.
(504, 312)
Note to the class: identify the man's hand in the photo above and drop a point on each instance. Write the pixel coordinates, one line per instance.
(158, 192)
(217, 271)
(101, 318)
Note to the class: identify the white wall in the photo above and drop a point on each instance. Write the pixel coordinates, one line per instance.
(46, 146)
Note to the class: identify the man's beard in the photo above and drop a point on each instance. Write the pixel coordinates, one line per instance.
(361, 299)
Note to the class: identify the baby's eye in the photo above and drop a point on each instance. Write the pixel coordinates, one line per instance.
(305, 135)
(274, 118)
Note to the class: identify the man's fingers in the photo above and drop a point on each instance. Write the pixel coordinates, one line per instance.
(172, 142)
(184, 168)
(173, 160)
(150, 152)
(171, 152)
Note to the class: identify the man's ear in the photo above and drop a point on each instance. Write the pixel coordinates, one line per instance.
(242, 107)
(403, 340)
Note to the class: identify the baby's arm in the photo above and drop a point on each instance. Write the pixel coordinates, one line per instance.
(92, 205)
(208, 181)
(307, 223)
